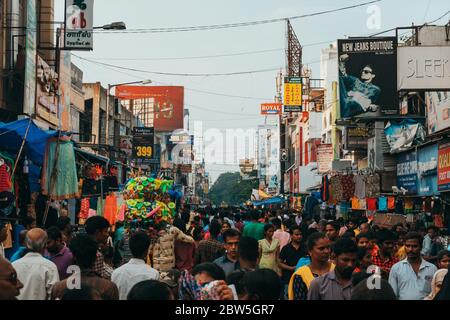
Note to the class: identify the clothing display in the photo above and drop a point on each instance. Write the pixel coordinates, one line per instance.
(348, 187)
(360, 186)
(371, 204)
(336, 191)
(372, 183)
(391, 203)
(382, 204)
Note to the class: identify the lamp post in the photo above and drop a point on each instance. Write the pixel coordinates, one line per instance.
(110, 86)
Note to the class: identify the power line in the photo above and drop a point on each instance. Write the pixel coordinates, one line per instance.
(235, 25)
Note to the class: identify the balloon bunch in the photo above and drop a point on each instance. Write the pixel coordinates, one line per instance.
(149, 199)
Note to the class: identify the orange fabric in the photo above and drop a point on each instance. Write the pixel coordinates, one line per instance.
(391, 203)
(110, 211)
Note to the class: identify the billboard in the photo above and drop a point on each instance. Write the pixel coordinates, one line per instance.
(407, 172)
(438, 111)
(444, 167)
(29, 96)
(161, 107)
(292, 98)
(367, 77)
(269, 156)
(270, 109)
(79, 24)
(424, 68)
(427, 165)
(356, 138)
(143, 142)
(324, 157)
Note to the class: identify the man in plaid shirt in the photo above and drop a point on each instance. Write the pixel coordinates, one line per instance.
(98, 228)
(384, 258)
(211, 249)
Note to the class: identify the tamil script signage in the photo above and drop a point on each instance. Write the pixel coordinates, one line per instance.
(79, 25)
(407, 172)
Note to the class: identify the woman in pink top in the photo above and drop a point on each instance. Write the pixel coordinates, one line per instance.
(282, 236)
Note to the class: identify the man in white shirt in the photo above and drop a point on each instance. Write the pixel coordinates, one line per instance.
(136, 270)
(37, 274)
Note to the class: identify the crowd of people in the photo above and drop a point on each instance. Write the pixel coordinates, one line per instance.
(237, 253)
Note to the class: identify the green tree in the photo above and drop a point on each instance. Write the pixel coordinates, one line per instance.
(231, 189)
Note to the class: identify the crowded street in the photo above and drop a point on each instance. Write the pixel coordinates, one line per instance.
(267, 151)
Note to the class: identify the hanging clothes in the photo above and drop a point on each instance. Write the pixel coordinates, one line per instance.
(324, 190)
(371, 204)
(110, 212)
(336, 192)
(355, 203)
(8, 243)
(427, 205)
(5, 178)
(391, 203)
(399, 206)
(121, 215)
(100, 206)
(59, 172)
(84, 208)
(348, 187)
(372, 185)
(93, 203)
(382, 204)
(360, 186)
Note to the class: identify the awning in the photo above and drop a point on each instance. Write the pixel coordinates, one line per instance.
(273, 200)
(13, 133)
(91, 157)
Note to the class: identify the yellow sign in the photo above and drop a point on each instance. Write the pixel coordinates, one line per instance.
(144, 151)
(292, 94)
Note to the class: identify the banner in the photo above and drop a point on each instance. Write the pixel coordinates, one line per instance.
(356, 138)
(367, 77)
(444, 167)
(143, 142)
(438, 111)
(292, 94)
(269, 156)
(161, 107)
(402, 136)
(270, 109)
(79, 24)
(427, 170)
(324, 157)
(29, 96)
(424, 68)
(407, 172)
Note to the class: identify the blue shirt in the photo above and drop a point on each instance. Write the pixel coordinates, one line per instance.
(409, 286)
(227, 265)
(18, 254)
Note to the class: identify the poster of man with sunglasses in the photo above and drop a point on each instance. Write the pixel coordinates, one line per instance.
(367, 75)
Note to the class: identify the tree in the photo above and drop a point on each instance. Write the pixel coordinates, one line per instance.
(231, 189)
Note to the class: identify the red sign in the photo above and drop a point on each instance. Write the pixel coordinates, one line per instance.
(161, 107)
(444, 167)
(268, 109)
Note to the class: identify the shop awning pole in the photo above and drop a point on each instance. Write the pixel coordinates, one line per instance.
(21, 148)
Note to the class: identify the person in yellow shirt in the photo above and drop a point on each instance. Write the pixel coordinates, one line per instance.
(319, 250)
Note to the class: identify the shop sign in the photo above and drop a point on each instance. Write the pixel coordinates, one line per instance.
(444, 167)
(143, 142)
(407, 172)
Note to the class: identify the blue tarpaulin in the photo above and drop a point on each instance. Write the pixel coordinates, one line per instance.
(274, 200)
(13, 133)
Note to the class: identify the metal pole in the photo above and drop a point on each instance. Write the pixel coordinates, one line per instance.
(107, 114)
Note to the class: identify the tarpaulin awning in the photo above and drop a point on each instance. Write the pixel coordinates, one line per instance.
(91, 157)
(273, 200)
(12, 134)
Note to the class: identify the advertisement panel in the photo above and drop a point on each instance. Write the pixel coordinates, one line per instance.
(292, 98)
(269, 156)
(29, 98)
(161, 107)
(423, 68)
(324, 157)
(270, 109)
(143, 142)
(438, 111)
(444, 167)
(356, 138)
(407, 172)
(79, 24)
(427, 170)
(367, 77)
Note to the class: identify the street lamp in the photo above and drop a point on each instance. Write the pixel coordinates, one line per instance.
(110, 86)
(120, 25)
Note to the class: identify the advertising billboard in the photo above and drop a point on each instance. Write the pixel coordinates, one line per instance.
(368, 77)
(324, 157)
(292, 98)
(143, 143)
(427, 165)
(438, 111)
(269, 156)
(79, 24)
(270, 109)
(424, 68)
(407, 172)
(161, 107)
(356, 138)
(444, 167)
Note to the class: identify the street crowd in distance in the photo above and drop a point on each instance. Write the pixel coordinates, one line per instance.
(235, 253)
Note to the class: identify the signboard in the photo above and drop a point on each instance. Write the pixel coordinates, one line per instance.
(367, 77)
(269, 155)
(29, 98)
(407, 172)
(161, 107)
(444, 167)
(143, 142)
(268, 109)
(79, 24)
(324, 157)
(438, 111)
(292, 98)
(357, 138)
(427, 170)
(424, 68)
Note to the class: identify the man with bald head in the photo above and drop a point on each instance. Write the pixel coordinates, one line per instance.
(10, 285)
(37, 274)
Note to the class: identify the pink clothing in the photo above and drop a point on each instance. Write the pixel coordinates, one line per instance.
(283, 237)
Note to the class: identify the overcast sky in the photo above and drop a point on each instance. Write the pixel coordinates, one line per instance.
(219, 111)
